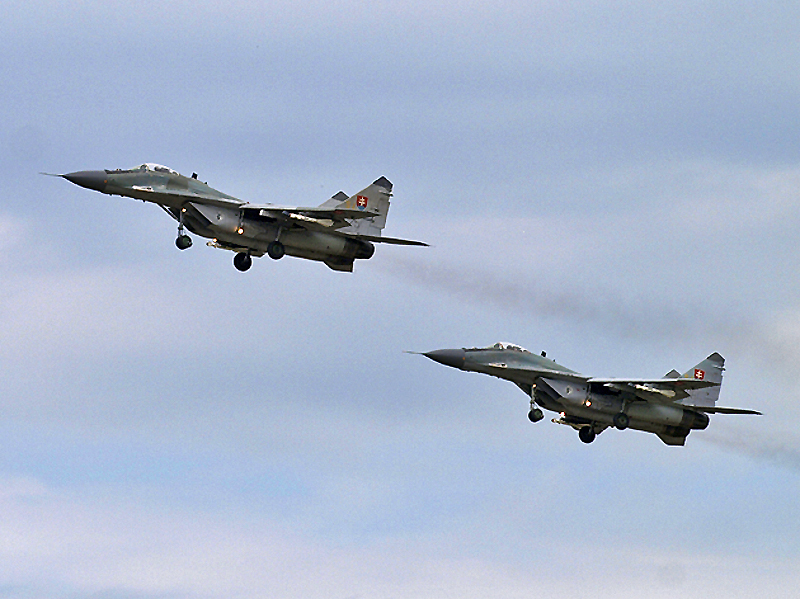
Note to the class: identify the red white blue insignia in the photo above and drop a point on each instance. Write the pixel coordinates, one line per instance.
(699, 374)
(361, 202)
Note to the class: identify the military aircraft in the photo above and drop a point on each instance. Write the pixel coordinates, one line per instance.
(670, 407)
(337, 232)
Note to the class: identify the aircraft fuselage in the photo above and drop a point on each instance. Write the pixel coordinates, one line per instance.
(670, 407)
(231, 223)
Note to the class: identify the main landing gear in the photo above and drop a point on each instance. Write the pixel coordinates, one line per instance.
(276, 250)
(621, 421)
(242, 261)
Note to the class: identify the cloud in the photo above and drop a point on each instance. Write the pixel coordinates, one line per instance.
(90, 311)
(95, 542)
(11, 235)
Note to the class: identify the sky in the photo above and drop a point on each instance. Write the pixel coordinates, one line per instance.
(613, 182)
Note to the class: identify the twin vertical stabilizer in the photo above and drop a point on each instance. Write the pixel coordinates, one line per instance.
(372, 200)
(709, 370)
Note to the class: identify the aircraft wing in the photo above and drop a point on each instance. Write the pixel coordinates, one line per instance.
(164, 195)
(313, 215)
(528, 375)
(322, 219)
(666, 390)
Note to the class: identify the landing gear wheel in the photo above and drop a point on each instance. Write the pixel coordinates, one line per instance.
(535, 415)
(586, 434)
(275, 250)
(242, 261)
(621, 421)
(183, 242)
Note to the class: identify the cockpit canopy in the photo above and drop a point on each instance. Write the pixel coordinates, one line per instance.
(511, 346)
(505, 345)
(148, 167)
(159, 168)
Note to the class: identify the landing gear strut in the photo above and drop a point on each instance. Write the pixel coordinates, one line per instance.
(535, 415)
(183, 241)
(242, 261)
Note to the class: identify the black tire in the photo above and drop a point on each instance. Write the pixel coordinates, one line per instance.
(586, 434)
(183, 242)
(275, 250)
(535, 415)
(621, 421)
(242, 261)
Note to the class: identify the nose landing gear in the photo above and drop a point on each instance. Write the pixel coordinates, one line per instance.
(183, 241)
(535, 414)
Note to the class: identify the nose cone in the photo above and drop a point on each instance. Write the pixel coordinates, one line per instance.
(448, 357)
(89, 179)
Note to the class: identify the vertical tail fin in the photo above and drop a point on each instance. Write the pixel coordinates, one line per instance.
(335, 201)
(711, 370)
(372, 200)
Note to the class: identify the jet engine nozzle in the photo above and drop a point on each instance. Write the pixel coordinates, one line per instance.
(695, 420)
(363, 250)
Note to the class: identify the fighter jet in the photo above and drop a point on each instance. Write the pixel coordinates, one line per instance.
(337, 232)
(670, 407)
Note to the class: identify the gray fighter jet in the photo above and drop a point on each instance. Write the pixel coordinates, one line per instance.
(670, 407)
(339, 231)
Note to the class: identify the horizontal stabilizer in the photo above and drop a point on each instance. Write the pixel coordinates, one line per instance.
(389, 240)
(716, 410)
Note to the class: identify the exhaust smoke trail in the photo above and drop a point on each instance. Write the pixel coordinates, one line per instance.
(779, 450)
(592, 306)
